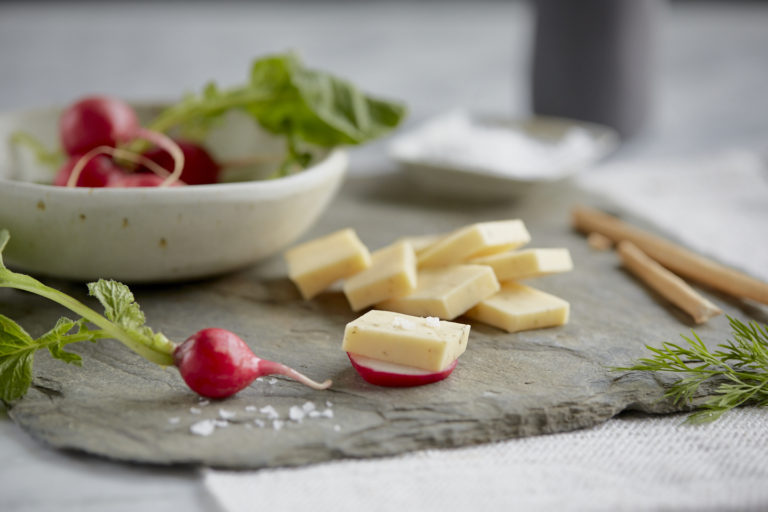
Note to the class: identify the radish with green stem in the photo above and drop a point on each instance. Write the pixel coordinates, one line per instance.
(93, 125)
(213, 362)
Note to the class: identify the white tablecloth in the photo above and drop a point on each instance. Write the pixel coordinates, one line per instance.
(716, 204)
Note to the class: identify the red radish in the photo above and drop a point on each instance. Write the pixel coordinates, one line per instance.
(100, 171)
(199, 167)
(96, 121)
(381, 373)
(216, 363)
(95, 124)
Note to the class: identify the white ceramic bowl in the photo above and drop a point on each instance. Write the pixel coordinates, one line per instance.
(153, 234)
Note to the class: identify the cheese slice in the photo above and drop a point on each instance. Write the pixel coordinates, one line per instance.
(425, 343)
(316, 264)
(476, 240)
(446, 292)
(519, 308)
(527, 263)
(392, 274)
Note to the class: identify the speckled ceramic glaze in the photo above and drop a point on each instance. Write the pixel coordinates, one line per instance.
(153, 234)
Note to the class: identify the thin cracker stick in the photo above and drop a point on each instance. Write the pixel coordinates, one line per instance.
(679, 260)
(666, 283)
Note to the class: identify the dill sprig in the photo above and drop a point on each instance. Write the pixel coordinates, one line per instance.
(739, 367)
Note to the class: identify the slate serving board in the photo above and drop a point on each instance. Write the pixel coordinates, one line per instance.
(505, 386)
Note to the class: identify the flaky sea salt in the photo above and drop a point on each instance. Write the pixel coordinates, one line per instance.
(296, 413)
(270, 412)
(433, 321)
(250, 408)
(308, 406)
(203, 402)
(227, 415)
(195, 410)
(402, 323)
(277, 424)
(458, 140)
(259, 423)
(328, 403)
(221, 423)
(175, 420)
(203, 428)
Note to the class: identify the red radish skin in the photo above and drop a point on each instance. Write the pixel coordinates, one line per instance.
(96, 121)
(395, 377)
(94, 125)
(100, 171)
(216, 363)
(199, 166)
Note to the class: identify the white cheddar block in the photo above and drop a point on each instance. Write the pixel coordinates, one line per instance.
(317, 264)
(475, 240)
(519, 308)
(527, 263)
(446, 292)
(392, 274)
(425, 343)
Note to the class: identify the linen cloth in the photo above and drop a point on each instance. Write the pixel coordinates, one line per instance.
(717, 205)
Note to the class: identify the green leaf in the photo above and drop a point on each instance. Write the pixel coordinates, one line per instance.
(119, 303)
(56, 338)
(42, 154)
(120, 307)
(16, 354)
(4, 237)
(308, 107)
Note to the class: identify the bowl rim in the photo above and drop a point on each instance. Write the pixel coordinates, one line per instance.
(334, 161)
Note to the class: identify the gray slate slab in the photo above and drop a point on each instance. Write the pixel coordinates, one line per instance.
(505, 386)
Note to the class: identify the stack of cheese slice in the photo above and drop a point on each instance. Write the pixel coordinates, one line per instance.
(472, 271)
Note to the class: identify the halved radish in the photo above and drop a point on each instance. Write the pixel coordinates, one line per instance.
(381, 373)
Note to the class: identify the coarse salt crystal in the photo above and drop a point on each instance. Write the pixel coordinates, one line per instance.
(250, 408)
(174, 420)
(270, 412)
(328, 413)
(433, 321)
(259, 423)
(226, 415)
(308, 406)
(195, 410)
(402, 323)
(221, 423)
(203, 402)
(271, 380)
(336, 428)
(203, 428)
(278, 424)
(328, 403)
(315, 414)
(295, 413)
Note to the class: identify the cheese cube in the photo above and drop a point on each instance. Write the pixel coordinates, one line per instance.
(527, 263)
(446, 292)
(420, 243)
(317, 264)
(425, 343)
(392, 274)
(475, 240)
(518, 308)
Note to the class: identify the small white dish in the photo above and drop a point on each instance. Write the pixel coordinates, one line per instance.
(477, 157)
(154, 234)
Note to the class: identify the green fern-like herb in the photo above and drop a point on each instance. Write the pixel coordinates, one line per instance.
(740, 366)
